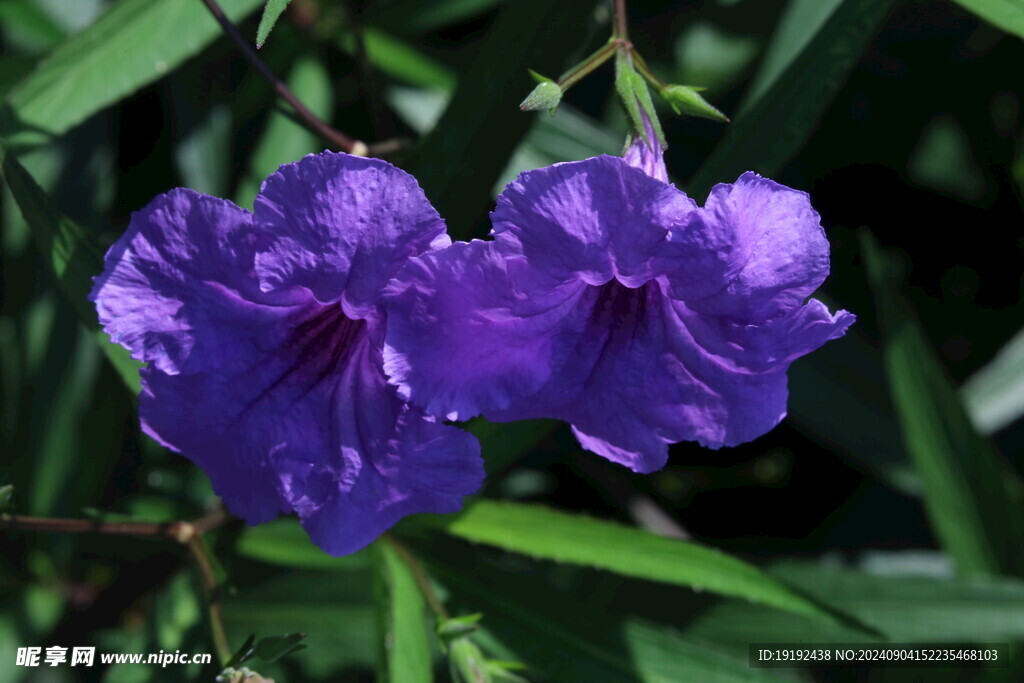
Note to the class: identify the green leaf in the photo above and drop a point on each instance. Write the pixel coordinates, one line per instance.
(334, 607)
(398, 59)
(974, 499)
(1006, 14)
(405, 638)
(284, 140)
(71, 253)
(6, 497)
(570, 639)
(904, 609)
(548, 534)
(765, 135)
(800, 22)
(284, 543)
(272, 11)
(994, 395)
(134, 43)
(26, 22)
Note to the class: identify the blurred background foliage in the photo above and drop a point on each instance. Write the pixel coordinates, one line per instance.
(888, 506)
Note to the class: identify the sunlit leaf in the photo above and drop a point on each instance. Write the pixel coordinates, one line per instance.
(546, 533)
(134, 43)
(994, 395)
(405, 639)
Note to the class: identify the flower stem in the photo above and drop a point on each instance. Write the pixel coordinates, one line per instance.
(312, 121)
(189, 534)
(620, 29)
(587, 66)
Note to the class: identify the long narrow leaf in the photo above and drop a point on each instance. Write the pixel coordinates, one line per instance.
(774, 127)
(995, 394)
(974, 499)
(404, 636)
(72, 254)
(548, 534)
(135, 43)
(1006, 14)
(272, 11)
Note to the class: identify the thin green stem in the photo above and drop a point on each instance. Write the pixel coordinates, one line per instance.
(587, 66)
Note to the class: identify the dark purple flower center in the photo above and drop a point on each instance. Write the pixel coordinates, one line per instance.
(323, 342)
(620, 310)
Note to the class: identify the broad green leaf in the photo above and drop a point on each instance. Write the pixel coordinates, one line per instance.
(283, 140)
(994, 395)
(272, 11)
(768, 132)
(800, 22)
(904, 609)
(548, 534)
(482, 125)
(404, 637)
(134, 43)
(974, 499)
(71, 253)
(284, 543)
(1006, 14)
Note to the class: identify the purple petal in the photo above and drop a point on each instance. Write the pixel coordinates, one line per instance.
(755, 251)
(469, 331)
(308, 424)
(342, 225)
(181, 269)
(647, 371)
(593, 220)
(645, 152)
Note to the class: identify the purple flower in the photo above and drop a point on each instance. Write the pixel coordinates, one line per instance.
(263, 332)
(610, 300)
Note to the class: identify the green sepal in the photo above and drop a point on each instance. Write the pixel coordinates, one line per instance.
(546, 95)
(539, 77)
(686, 99)
(636, 98)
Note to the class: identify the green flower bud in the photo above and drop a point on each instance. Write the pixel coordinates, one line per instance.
(546, 95)
(687, 99)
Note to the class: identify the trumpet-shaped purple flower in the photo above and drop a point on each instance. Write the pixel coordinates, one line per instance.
(610, 300)
(263, 332)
